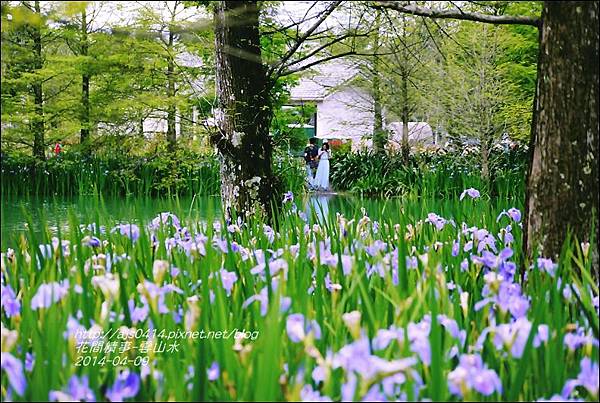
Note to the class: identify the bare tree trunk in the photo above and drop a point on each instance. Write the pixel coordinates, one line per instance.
(405, 145)
(171, 131)
(85, 83)
(243, 119)
(485, 160)
(38, 120)
(563, 180)
(379, 139)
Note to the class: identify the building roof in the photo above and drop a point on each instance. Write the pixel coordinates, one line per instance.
(321, 79)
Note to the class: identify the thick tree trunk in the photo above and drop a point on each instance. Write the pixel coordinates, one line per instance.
(379, 139)
(244, 115)
(38, 95)
(405, 145)
(171, 131)
(85, 84)
(563, 179)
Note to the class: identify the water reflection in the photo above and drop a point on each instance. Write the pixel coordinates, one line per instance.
(318, 204)
(55, 212)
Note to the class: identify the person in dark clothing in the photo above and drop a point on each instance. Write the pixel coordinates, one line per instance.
(310, 158)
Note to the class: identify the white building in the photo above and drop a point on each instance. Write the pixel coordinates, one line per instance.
(345, 111)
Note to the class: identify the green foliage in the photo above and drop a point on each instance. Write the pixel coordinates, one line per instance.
(76, 173)
(291, 138)
(117, 171)
(429, 174)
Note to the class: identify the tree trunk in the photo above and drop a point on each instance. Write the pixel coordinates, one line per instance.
(38, 119)
(485, 159)
(563, 179)
(244, 115)
(379, 139)
(85, 83)
(405, 145)
(171, 132)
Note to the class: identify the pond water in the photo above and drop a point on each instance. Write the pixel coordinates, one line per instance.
(16, 212)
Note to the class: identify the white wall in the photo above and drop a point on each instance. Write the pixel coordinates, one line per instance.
(158, 124)
(346, 112)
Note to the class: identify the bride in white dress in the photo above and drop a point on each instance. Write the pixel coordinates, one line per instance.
(321, 181)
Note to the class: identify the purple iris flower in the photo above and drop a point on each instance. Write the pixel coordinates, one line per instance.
(308, 394)
(579, 339)
(436, 220)
(165, 218)
(298, 328)
(513, 213)
(269, 232)
(330, 286)
(347, 262)
(513, 335)
(228, 278)
(354, 357)
(451, 327)
(92, 242)
(126, 386)
(288, 197)
(349, 388)
(510, 298)
(385, 336)
(375, 247)
(49, 294)
(77, 390)
(138, 314)
(158, 293)
(547, 265)
(131, 231)
(263, 298)
(492, 261)
(13, 368)
(588, 378)
(541, 336)
(29, 361)
(10, 304)
(220, 244)
(412, 262)
(472, 374)
(418, 335)
(213, 372)
(486, 240)
(473, 193)
(455, 248)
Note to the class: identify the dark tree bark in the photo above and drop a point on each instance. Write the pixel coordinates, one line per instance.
(242, 137)
(37, 124)
(455, 14)
(85, 83)
(563, 179)
(171, 110)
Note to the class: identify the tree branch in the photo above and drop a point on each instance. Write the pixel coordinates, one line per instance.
(281, 65)
(309, 65)
(457, 14)
(322, 47)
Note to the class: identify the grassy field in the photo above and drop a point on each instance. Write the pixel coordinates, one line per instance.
(426, 303)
